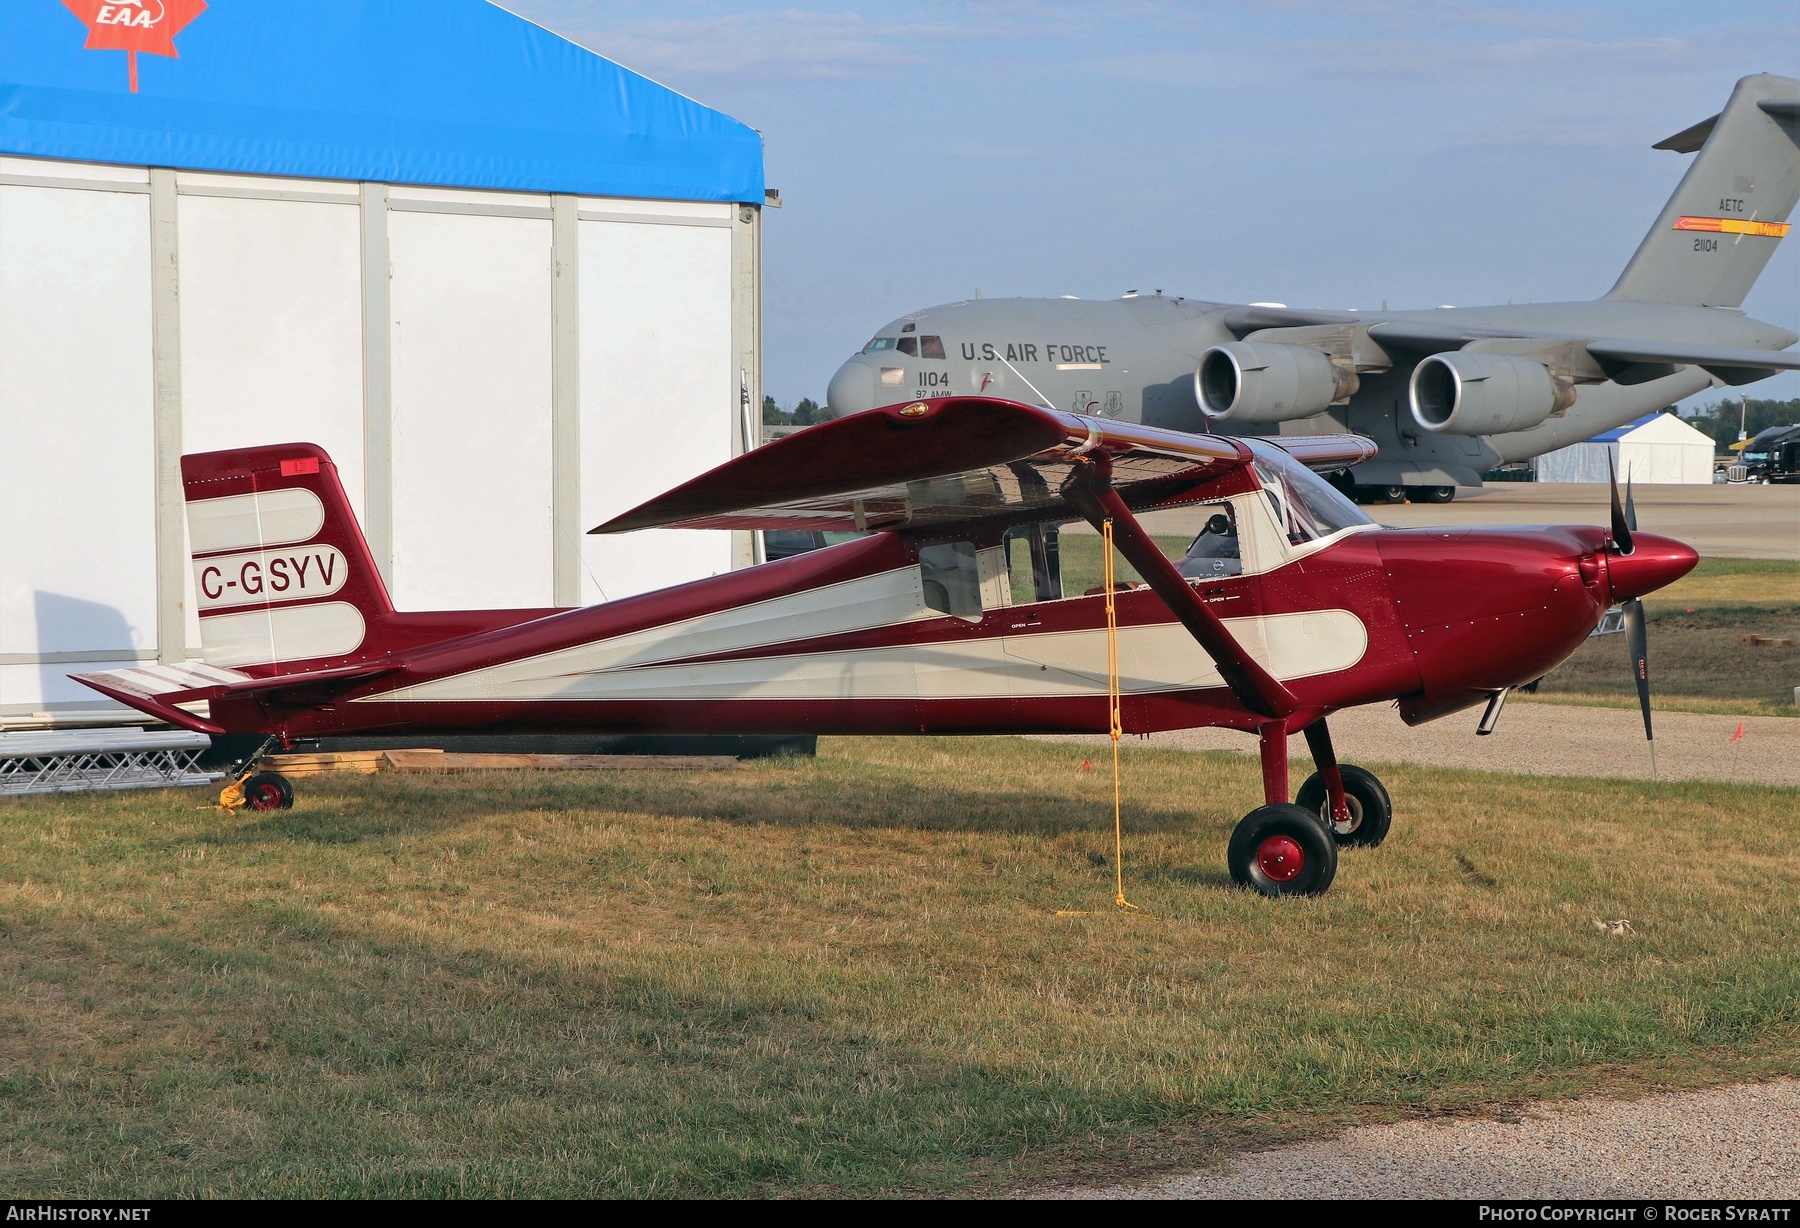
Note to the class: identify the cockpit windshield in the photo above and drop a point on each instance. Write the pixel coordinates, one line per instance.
(879, 343)
(1305, 504)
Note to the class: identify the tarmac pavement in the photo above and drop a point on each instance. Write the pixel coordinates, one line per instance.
(1740, 1142)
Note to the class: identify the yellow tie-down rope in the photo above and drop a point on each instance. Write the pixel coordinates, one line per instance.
(1114, 726)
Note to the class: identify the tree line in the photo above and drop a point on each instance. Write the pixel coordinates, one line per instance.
(1720, 419)
(807, 412)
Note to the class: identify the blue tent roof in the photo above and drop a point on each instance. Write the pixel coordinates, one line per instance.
(1613, 435)
(458, 93)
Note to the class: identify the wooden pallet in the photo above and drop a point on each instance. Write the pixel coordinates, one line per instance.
(1766, 641)
(369, 762)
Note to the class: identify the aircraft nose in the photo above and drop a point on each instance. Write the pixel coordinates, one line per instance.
(1654, 563)
(851, 390)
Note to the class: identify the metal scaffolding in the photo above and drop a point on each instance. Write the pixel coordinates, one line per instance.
(67, 761)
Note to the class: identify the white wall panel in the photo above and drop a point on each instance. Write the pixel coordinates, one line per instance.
(471, 395)
(271, 328)
(657, 393)
(77, 499)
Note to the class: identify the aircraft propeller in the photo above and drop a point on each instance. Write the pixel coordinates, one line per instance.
(1624, 521)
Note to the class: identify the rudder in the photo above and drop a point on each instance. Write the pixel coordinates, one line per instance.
(282, 573)
(1730, 210)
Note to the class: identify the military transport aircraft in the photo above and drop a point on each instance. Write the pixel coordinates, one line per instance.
(1447, 394)
(947, 614)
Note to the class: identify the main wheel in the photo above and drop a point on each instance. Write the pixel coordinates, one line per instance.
(268, 791)
(1371, 809)
(1282, 850)
(1392, 494)
(1431, 494)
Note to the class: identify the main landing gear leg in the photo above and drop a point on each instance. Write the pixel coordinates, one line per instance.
(1281, 848)
(1318, 741)
(1351, 801)
(1273, 749)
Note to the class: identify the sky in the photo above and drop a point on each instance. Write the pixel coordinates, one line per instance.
(1319, 153)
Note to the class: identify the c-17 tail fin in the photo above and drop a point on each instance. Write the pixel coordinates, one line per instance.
(1731, 209)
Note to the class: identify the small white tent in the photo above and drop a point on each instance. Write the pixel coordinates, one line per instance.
(1658, 449)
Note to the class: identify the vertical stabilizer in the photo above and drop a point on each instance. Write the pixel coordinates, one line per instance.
(1723, 222)
(281, 571)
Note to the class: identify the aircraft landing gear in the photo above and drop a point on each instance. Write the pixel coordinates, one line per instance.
(1282, 849)
(1431, 494)
(253, 790)
(268, 791)
(1350, 800)
(1371, 810)
(1379, 494)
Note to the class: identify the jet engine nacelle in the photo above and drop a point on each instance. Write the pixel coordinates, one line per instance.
(1242, 381)
(1475, 393)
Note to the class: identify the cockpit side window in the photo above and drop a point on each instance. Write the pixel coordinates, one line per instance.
(931, 347)
(877, 344)
(1034, 562)
(909, 346)
(952, 578)
(1215, 552)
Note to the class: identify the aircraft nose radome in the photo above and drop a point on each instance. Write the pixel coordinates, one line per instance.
(1654, 563)
(851, 390)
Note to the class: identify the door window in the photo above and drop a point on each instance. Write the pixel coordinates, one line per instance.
(952, 578)
(1216, 551)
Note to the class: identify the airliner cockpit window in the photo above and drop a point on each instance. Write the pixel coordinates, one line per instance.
(1305, 504)
(879, 343)
(909, 346)
(931, 347)
(1215, 551)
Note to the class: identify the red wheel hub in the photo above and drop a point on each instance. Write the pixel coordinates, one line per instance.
(265, 797)
(1281, 858)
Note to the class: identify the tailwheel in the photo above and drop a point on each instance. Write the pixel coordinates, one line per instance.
(268, 791)
(1371, 810)
(1283, 849)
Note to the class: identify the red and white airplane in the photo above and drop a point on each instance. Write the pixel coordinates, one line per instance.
(945, 615)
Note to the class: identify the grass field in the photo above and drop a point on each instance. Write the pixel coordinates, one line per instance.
(846, 975)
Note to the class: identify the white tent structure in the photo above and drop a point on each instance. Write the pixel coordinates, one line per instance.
(1658, 449)
(511, 286)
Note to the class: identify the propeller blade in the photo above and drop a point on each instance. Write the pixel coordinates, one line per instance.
(1630, 508)
(1621, 531)
(1638, 642)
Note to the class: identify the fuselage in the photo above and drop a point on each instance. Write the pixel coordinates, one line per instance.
(1133, 359)
(902, 632)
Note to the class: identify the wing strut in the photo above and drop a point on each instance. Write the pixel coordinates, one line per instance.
(1092, 494)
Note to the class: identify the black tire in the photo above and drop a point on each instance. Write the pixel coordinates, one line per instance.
(1371, 809)
(1431, 494)
(1282, 850)
(1391, 494)
(268, 791)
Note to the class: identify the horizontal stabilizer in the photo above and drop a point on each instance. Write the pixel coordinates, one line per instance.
(948, 461)
(1689, 140)
(162, 690)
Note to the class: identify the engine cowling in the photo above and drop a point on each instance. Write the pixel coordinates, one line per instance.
(1242, 381)
(1475, 393)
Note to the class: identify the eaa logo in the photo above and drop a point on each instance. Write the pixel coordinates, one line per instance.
(132, 26)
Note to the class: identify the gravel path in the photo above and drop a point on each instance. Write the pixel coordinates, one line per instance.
(1731, 1142)
(1545, 739)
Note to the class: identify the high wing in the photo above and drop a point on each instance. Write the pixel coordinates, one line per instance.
(951, 460)
(1627, 360)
